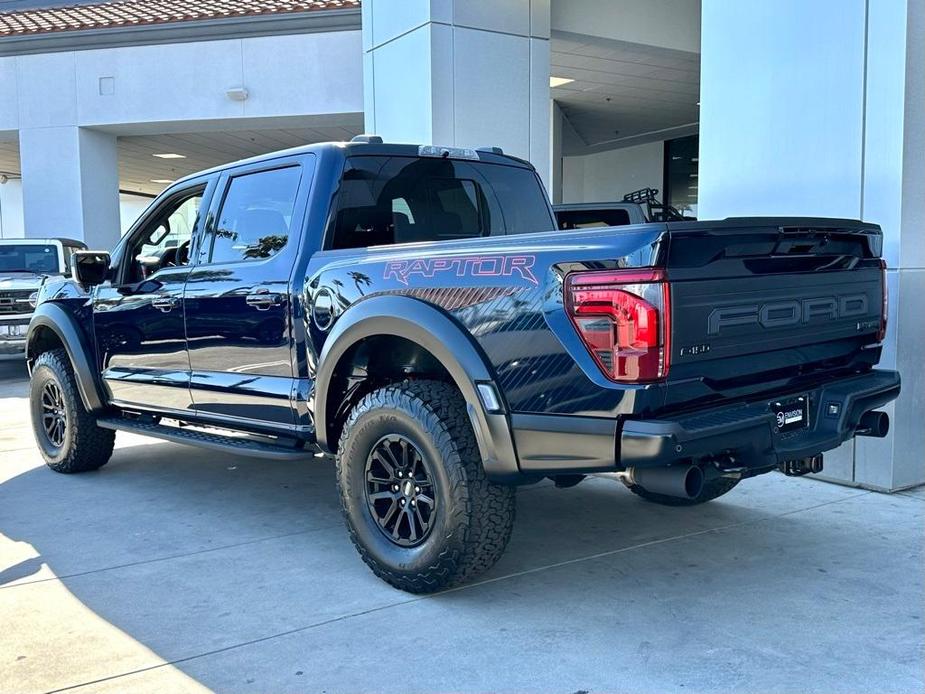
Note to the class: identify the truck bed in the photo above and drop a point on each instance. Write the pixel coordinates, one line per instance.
(507, 292)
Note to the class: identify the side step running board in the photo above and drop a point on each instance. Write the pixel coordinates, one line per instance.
(218, 442)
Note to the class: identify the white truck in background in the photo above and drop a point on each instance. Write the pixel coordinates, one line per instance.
(25, 265)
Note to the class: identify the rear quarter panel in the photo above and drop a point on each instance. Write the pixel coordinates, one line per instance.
(507, 293)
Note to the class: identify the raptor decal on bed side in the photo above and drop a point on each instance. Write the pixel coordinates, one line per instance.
(463, 266)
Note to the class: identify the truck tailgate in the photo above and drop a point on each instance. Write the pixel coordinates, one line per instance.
(759, 303)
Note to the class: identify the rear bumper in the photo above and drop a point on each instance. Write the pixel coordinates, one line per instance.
(749, 431)
(562, 444)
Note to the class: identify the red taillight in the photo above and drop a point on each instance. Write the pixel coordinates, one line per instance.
(623, 317)
(885, 305)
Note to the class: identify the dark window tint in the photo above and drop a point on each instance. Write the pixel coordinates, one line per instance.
(254, 221)
(523, 201)
(386, 200)
(586, 219)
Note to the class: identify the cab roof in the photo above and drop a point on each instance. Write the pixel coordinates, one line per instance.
(372, 148)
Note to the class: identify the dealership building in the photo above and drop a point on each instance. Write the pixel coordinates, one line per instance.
(728, 107)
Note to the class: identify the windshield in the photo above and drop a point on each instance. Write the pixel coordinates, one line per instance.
(29, 257)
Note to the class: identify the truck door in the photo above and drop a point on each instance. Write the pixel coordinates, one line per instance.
(238, 322)
(138, 315)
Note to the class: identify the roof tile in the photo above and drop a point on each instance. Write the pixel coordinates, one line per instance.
(140, 12)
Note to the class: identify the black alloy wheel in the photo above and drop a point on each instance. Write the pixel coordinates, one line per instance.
(54, 414)
(399, 490)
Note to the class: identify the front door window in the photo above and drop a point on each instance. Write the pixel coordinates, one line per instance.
(166, 241)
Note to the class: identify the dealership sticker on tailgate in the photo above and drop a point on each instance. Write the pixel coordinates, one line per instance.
(791, 414)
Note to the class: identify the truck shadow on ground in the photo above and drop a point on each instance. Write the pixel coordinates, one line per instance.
(159, 501)
(187, 552)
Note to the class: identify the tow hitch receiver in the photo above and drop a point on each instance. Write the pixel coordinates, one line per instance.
(804, 466)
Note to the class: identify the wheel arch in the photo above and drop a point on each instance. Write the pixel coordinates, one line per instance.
(51, 326)
(436, 333)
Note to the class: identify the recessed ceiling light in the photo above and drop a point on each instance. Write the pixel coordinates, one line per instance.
(161, 180)
(559, 81)
(170, 155)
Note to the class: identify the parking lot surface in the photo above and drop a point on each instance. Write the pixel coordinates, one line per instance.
(176, 569)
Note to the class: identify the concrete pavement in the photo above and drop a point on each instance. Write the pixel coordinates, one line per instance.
(174, 569)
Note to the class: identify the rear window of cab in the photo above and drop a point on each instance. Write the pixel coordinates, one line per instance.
(385, 200)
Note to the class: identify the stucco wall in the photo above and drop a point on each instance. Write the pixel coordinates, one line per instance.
(608, 176)
(285, 75)
(11, 211)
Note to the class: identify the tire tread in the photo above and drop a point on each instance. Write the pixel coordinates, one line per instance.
(89, 446)
(486, 515)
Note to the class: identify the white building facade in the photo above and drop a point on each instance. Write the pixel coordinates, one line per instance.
(752, 107)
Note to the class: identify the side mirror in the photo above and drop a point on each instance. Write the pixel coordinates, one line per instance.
(90, 267)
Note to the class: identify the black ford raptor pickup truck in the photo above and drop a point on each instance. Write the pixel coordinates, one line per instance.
(414, 313)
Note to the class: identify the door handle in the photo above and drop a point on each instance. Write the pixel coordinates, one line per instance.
(263, 301)
(165, 303)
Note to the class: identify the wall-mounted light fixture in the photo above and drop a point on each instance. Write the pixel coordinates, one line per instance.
(237, 94)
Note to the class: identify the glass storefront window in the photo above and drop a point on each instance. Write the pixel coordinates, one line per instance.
(681, 174)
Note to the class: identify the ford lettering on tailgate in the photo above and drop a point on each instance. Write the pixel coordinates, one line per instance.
(782, 314)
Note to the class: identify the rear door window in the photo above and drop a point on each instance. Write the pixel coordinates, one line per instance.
(255, 218)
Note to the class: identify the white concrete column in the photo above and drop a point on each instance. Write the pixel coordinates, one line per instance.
(818, 108)
(11, 226)
(468, 73)
(70, 179)
(555, 152)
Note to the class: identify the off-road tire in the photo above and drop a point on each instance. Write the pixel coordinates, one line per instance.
(473, 517)
(85, 446)
(712, 488)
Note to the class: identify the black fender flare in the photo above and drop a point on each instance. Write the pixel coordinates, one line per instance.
(52, 317)
(435, 331)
